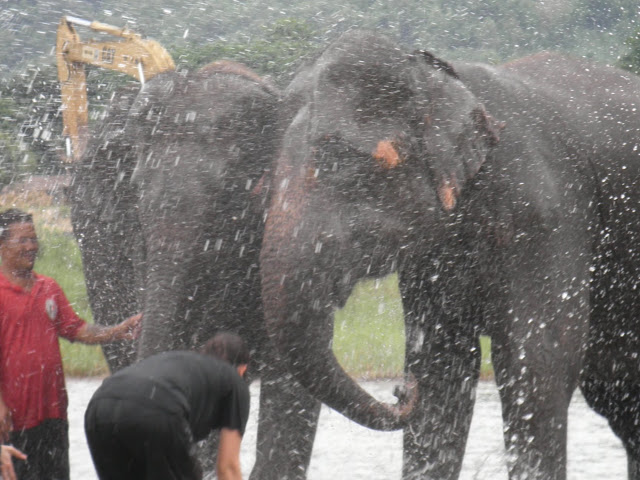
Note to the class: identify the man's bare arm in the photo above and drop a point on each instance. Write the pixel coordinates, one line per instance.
(229, 455)
(99, 334)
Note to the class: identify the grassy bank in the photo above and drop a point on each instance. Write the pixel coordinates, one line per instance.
(60, 259)
(369, 332)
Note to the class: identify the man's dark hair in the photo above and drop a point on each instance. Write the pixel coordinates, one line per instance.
(9, 217)
(229, 347)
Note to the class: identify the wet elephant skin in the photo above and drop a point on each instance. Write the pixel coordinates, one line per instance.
(168, 207)
(506, 198)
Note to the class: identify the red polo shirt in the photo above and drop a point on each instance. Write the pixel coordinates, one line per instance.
(31, 376)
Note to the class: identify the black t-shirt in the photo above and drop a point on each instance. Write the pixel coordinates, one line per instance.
(208, 392)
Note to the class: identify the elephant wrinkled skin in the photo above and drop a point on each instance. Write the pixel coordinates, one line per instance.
(168, 207)
(507, 200)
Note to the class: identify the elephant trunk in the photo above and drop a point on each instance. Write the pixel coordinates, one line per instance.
(298, 312)
(106, 228)
(297, 294)
(164, 300)
(307, 354)
(159, 313)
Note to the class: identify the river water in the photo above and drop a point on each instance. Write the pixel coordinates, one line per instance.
(344, 449)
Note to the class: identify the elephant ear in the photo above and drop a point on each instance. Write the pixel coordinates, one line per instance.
(463, 155)
(470, 152)
(436, 62)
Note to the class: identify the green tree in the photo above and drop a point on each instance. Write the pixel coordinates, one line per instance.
(30, 123)
(15, 156)
(276, 51)
(631, 60)
(15, 159)
(605, 14)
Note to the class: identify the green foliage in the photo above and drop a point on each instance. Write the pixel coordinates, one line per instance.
(631, 60)
(30, 126)
(83, 360)
(15, 160)
(605, 14)
(15, 157)
(475, 28)
(275, 52)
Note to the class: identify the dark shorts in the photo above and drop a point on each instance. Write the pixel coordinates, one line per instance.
(131, 441)
(47, 448)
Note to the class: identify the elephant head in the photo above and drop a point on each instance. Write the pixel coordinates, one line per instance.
(204, 142)
(380, 146)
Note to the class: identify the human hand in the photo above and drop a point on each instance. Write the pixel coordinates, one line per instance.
(131, 328)
(6, 461)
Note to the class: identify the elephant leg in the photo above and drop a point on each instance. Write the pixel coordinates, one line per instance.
(537, 364)
(443, 354)
(616, 397)
(287, 423)
(539, 331)
(434, 442)
(633, 467)
(534, 411)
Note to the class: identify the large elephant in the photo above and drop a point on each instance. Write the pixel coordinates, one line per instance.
(168, 207)
(507, 200)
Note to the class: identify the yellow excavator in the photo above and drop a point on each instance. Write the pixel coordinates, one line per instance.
(132, 55)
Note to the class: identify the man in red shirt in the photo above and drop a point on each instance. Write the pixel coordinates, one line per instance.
(34, 312)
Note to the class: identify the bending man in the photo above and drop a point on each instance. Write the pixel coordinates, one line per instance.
(143, 421)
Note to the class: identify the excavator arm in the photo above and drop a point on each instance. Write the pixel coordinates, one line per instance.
(132, 55)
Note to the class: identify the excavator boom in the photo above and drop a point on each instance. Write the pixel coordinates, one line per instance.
(132, 55)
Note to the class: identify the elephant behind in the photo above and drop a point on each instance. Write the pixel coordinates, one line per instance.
(168, 208)
(507, 200)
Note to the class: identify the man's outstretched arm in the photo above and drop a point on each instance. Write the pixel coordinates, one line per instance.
(126, 330)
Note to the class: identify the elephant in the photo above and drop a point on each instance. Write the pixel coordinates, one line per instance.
(506, 200)
(168, 206)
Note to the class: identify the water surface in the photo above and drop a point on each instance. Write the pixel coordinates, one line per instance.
(344, 449)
